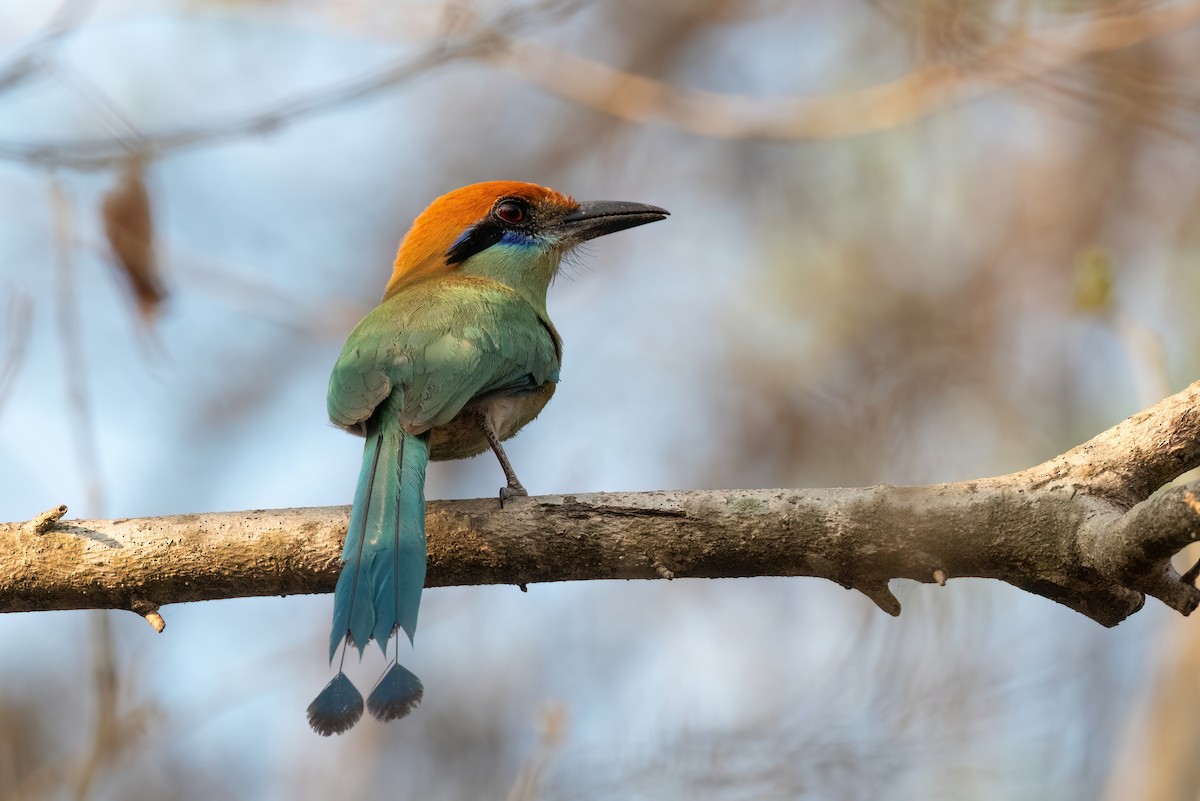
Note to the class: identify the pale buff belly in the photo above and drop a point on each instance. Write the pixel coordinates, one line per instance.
(462, 437)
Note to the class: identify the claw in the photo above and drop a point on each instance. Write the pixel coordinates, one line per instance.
(512, 491)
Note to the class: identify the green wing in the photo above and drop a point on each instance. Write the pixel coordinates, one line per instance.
(441, 343)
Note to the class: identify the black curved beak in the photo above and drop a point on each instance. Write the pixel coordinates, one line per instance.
(599, 217)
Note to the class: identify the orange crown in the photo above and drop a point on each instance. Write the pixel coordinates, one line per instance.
(423, 250)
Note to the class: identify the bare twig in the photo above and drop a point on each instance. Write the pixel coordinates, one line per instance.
(45, 521)
(16, 338)
(1081, 529)
(553, 725)
(98, 103)
(106, 735)
(25, 62)
(478, 40)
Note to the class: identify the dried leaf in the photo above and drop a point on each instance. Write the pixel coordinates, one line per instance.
(129, 226)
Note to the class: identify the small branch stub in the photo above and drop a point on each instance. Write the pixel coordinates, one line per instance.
(155, 620)
(45, 521)
(881, 595)
(150, 613)
(1191, 575)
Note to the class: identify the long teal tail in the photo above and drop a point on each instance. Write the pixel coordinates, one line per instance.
(380, 586)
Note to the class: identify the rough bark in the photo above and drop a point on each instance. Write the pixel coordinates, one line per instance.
(1083, 529)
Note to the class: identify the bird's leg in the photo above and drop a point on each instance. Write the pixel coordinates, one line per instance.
(514, 488)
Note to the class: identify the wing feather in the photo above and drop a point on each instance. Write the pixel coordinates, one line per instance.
(443, 343)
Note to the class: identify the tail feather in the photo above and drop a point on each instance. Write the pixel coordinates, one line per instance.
(355, 557)
(397, 693)
(399, 578)
(337, 707)
(383, 574)
(380, 585)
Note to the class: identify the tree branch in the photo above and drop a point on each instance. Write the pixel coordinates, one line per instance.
(1081, 529)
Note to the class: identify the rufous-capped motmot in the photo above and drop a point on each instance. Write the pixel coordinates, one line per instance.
(457, 357)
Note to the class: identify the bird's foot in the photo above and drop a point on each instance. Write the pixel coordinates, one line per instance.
(513, 490)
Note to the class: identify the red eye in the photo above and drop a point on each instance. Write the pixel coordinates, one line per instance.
(512, 211)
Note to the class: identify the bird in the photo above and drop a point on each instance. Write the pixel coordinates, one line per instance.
(457, 357)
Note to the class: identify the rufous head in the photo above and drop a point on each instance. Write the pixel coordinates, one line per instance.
(479, 220)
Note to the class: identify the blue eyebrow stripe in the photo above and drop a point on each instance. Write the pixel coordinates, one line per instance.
(518, 239)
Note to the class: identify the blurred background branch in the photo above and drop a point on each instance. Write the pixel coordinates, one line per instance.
(1020, 56)
(25, 61)
(451, 43)
(16, 334)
